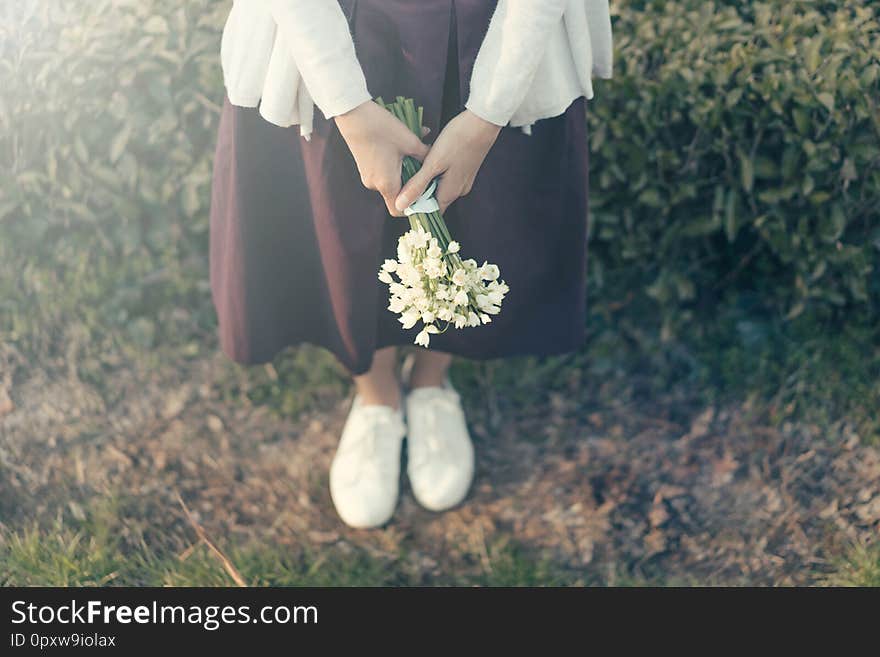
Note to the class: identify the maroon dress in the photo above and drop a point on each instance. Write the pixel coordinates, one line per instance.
(297, 241)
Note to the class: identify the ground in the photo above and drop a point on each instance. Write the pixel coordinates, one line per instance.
(576, 486)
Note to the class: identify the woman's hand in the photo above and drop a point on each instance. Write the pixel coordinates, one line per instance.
(456, 156)
(378, 141)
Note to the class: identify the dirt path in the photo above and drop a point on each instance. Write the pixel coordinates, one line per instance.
(720, 500)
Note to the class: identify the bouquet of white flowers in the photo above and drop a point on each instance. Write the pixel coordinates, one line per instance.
(429, 282)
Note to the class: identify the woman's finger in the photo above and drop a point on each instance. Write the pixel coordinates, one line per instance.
(388, 185)
(393, 211)
(389, 198)
(414, 146)
(447, 191)
(416, 185)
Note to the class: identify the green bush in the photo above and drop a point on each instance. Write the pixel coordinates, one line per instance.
(107, 127)
(736, 155)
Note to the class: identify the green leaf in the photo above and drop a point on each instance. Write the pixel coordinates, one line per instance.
(811, 56)
(80, 149)
(156, 25)
(796, 310)
(838, 220)
(734, 96)
(808, 186)
(747, 172)
(730, 228)
(651, 197)
(6, 208)
(801, 120)
(190, 200)
(766, 168)
(827, 100)
(120, 141)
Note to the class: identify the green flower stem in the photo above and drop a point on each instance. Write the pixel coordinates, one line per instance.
(406, 111)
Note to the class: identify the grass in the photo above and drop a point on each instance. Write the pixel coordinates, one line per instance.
(103, 549)
(64, 556)
(861, 567)
(813, 369)
(809, 370)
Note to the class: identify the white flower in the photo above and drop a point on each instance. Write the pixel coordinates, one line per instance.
(489, 272)
(408, 274)
(409, 318)
(417, 239)
(435, 268)
(424, 288)
(424, 338)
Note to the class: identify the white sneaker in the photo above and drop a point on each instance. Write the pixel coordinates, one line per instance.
(440, 453)
(365, 473)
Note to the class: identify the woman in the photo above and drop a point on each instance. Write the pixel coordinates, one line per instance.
(298, 230)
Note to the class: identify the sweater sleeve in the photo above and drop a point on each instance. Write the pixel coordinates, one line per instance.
(321, 43)
(510, 55)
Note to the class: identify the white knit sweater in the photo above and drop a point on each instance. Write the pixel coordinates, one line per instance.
(537, 57)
